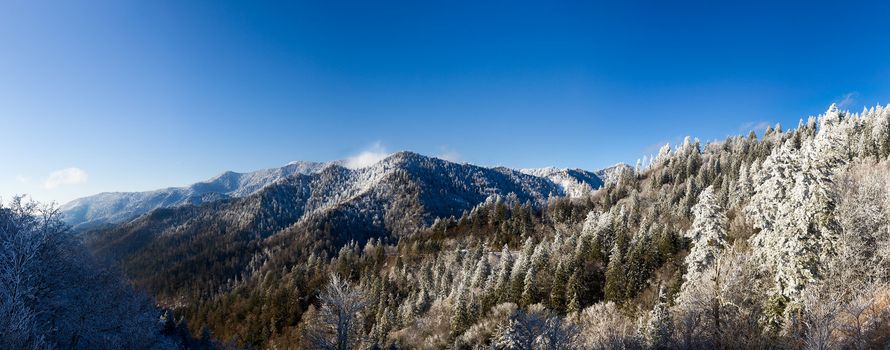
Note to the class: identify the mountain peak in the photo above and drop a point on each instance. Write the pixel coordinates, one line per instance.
(118, 207)
(406, 156)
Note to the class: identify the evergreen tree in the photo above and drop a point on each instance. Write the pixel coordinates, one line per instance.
(616, 276)
(559, 284)
(707, 234)
(502, 283)
(660, 328)
(481, 273)
(793, 206)
(518, 276)
(461, 313)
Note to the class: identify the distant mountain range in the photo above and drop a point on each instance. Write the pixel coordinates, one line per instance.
(116, 207)
(234, 218)
(529, 184)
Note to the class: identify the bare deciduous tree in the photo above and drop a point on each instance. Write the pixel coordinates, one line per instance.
(339, 324)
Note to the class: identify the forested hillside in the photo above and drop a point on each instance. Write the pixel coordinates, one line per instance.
(191, 252)
(54, 295)
(777, 241)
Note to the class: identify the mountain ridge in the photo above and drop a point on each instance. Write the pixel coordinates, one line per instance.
(117, 207)
(396, 197)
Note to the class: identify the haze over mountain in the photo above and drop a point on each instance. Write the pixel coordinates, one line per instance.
(116, 207)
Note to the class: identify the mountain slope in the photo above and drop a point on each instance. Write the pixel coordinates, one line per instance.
(575, 183)
(326, 208)
(116, 207)
(611, 174)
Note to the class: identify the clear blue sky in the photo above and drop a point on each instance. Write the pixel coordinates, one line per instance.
(146, 94)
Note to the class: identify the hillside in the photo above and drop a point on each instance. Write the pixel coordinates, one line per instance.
(400, 195)
(117, 207)
(776, 241)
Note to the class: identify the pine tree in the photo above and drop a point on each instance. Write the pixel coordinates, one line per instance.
(462, 316)
(660, 328)
(530, 291)
(707, 234)
(616, 276)
(502, 283)
(574, 302)
(481, 273)
(558, 300)
(518, 275)
(664, 155)
(793, 206)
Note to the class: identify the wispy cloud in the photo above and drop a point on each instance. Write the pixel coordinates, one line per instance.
(449, 154)
(367, 157)
(22, 179)
(655, 147)
(846, 100)
(758, 126)
(67, 176)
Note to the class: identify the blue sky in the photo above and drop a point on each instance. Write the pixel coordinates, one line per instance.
(135, 95)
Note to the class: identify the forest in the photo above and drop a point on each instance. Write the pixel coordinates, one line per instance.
(778, 241)
(774, 241)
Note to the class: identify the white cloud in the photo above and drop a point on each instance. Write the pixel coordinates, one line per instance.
(67, 176)
(754, 126)
(449, 155)
(847, 100)
(22, 179)
(655, 147)
(370, 156)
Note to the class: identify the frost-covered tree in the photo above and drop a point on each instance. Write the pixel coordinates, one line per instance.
(533, 291)
(605, 326)
(481, 273)
(864, 215)
(339, 324)
(663, 154)
(616, 275)
(793, 208)
(462, 313)
(535, 329)
(520, 268)
(22, 237)
(53, 294)
(502, 282)
(660, 327)
(724, 308)
(707, 234)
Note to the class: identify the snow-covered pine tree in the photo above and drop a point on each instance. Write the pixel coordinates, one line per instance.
(793, 205)
(502, 283)
(708, 235)
(660, 327)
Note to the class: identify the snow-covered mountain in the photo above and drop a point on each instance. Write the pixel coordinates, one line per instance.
(397, 196)
(611, 174)
(574, 183)
(345, 184)
(115, 207)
